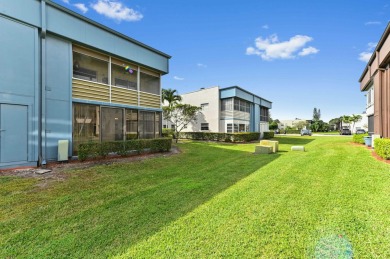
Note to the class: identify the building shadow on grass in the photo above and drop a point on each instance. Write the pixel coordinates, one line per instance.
(105, 210)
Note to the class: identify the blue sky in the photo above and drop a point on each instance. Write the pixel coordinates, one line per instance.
(299, 54)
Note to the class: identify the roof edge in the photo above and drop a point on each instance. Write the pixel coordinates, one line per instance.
(242, 89)
(101, 26)
(384, 36)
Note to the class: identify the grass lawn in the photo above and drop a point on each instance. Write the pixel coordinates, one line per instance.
(212, 200)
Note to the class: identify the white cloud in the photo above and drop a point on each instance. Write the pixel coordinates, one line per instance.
(372, 45)
(65, 1)
(308, 51)
(271, 48)
(265, 26)
(373, 23)
(365, 56)
(201, 65)
(116, 10)
(81, 7)
(178, 78)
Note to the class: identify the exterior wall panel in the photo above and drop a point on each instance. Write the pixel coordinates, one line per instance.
(19, 74)
(27, 11)
(124, 96)
(384, 50)
(58, 95)
(365, 80)
(210, 114)
(90, 91)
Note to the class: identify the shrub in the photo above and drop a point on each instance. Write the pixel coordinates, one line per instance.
(269, 134)
(123, 148)
(292, 131)
(382, 147)
(167, 133)
(359, 138)
(216, 136)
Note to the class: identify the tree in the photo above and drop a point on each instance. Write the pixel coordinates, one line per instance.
(180, 115)
(335, 123)
(354, 119)
(273, 125)
(317, 126)
(171, 96)
(316, 114)
(346, 119)
(300, 124)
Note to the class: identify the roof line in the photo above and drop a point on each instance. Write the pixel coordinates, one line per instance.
(101, 26)
(378, 46)
(242, 89)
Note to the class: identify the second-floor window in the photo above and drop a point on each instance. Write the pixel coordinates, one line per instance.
(90, 68)
(264, 114)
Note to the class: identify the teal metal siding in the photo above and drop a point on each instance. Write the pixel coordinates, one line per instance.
(58, 94)
(19, 67)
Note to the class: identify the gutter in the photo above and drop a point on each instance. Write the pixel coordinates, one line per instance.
(42, 98)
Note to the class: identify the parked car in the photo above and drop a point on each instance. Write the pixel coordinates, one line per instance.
(360, 131)
(305, 132)
(345, 132)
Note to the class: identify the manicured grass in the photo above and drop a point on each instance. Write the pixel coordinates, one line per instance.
(212, 200)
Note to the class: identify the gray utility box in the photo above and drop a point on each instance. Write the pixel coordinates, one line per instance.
(63, 146)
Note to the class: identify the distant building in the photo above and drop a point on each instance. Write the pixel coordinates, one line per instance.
(375, 81)
(231, 109)
(362, 124)
(284, 124)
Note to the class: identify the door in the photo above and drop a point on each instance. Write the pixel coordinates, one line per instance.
(13, 133)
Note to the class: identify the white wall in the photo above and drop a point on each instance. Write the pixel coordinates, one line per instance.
(210, 114)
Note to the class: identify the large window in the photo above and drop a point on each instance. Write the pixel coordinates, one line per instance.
(122, 78)
(204, 126)
(93, 123)
(150, 83)
(146, 124)
(264, 115)
(227, 104)
(90, 68)
(86, 124)
(241, 105)
(131, 124)
(236, 104)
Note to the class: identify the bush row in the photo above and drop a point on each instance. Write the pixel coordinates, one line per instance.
(216, 136)
(124, 148)
(269, 134)
(382, 147)
(359, 138)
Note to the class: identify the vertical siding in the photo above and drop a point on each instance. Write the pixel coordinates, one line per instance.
(58, 94)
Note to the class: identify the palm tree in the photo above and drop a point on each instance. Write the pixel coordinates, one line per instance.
(354, 119)
(171, 96)
(346, 119)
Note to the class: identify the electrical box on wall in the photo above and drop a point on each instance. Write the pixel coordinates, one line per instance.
(63, 150)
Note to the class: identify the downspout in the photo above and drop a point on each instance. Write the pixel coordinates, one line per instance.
(42, 98)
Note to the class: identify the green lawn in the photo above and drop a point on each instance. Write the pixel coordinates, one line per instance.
(212, 200)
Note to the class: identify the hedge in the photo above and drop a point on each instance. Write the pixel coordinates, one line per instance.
(167, 133)
(216, 136)
(359, 138)
(382, 147)
(94, 150)
(269, 134)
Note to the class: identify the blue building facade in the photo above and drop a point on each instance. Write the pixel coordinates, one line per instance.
(65, 77)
